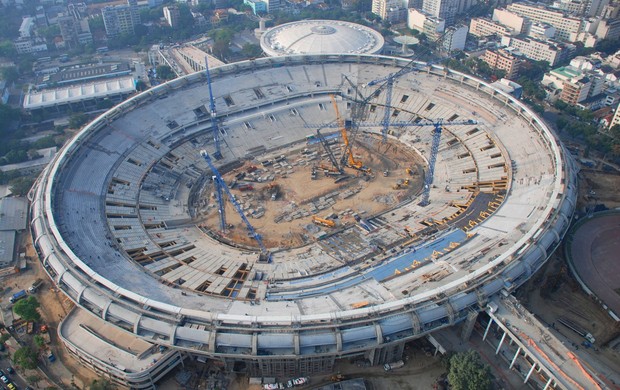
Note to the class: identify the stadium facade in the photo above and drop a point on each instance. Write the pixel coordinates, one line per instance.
(113, 226)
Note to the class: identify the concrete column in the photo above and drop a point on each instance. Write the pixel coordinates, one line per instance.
(104, 312)
(499, 346)
(527, 378)
(548, 384)
(514, 359)
(338, 341)
(212, 340)
(379, 334)
(468, 326)
(486, 331)
(296, 343)
(173, 334)
(254, 343)
(136, 324)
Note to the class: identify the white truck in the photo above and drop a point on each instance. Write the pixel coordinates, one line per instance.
(393, 365)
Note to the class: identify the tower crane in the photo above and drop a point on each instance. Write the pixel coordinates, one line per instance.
(222, 188)
(216, 130)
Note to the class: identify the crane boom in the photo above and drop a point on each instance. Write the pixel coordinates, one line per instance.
(348, 154)
(330, 154)
(265, 255)
(214, 126)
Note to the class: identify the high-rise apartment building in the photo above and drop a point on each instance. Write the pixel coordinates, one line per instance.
(538, 50)
(574, 85)
(394, 11)
(454, 38)
(444, 9)
(172, 15)
(121, 19)
(567, 27)
(503, 60)
(483, 27)
(431, 26)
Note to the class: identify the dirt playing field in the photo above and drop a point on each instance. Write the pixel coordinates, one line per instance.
(280, 198)
(597, 187)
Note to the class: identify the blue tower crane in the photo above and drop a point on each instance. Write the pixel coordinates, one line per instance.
(214, 126)
(221, 186)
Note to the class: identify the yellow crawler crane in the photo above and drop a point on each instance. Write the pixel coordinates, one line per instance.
(351, 161)
(323, 221)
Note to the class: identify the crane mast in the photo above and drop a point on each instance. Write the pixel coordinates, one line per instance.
(214, 126)
(223, 188)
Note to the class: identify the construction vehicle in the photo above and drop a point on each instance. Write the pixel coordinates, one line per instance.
(323, 221)
(351, 162)
(393, 366)
(409, 171)
(17, 296)
(575, 328)
(35, 286)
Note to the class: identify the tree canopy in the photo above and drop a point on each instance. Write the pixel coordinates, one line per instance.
(467, 372)
(28, 309)
(26, 358)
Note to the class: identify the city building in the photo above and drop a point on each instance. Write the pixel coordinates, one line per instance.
(126, 254)
(541, 31)
(442, 9)
(616, 118)
(321, 37)
(27, 27)
(172, 15)
(503, 60)
(121, 19)
(429, 25)
(454, 38)
(572, 85)
(538, 50)
(509, 87)
(393, 11)
(258, 6)
(81, 73)
(483, 27)
(567, 27)
(79, 97)
(29, 46)
(14, 212)
(518, 24)
(74, 28)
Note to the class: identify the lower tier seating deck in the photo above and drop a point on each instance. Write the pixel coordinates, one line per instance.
(113, 218)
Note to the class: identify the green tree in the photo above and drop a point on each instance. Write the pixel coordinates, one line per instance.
(4, 337)
(26, 358)
(467, 372)
(39, 341)
(9, 73)
(77, 120)
(101, 384)
(7, 49)
(165, 72)
(251, 50)
(20, 186)
(28, 309)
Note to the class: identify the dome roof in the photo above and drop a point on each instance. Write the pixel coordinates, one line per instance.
(321, 37)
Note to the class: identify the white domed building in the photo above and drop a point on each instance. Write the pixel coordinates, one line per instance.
(321, 37)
